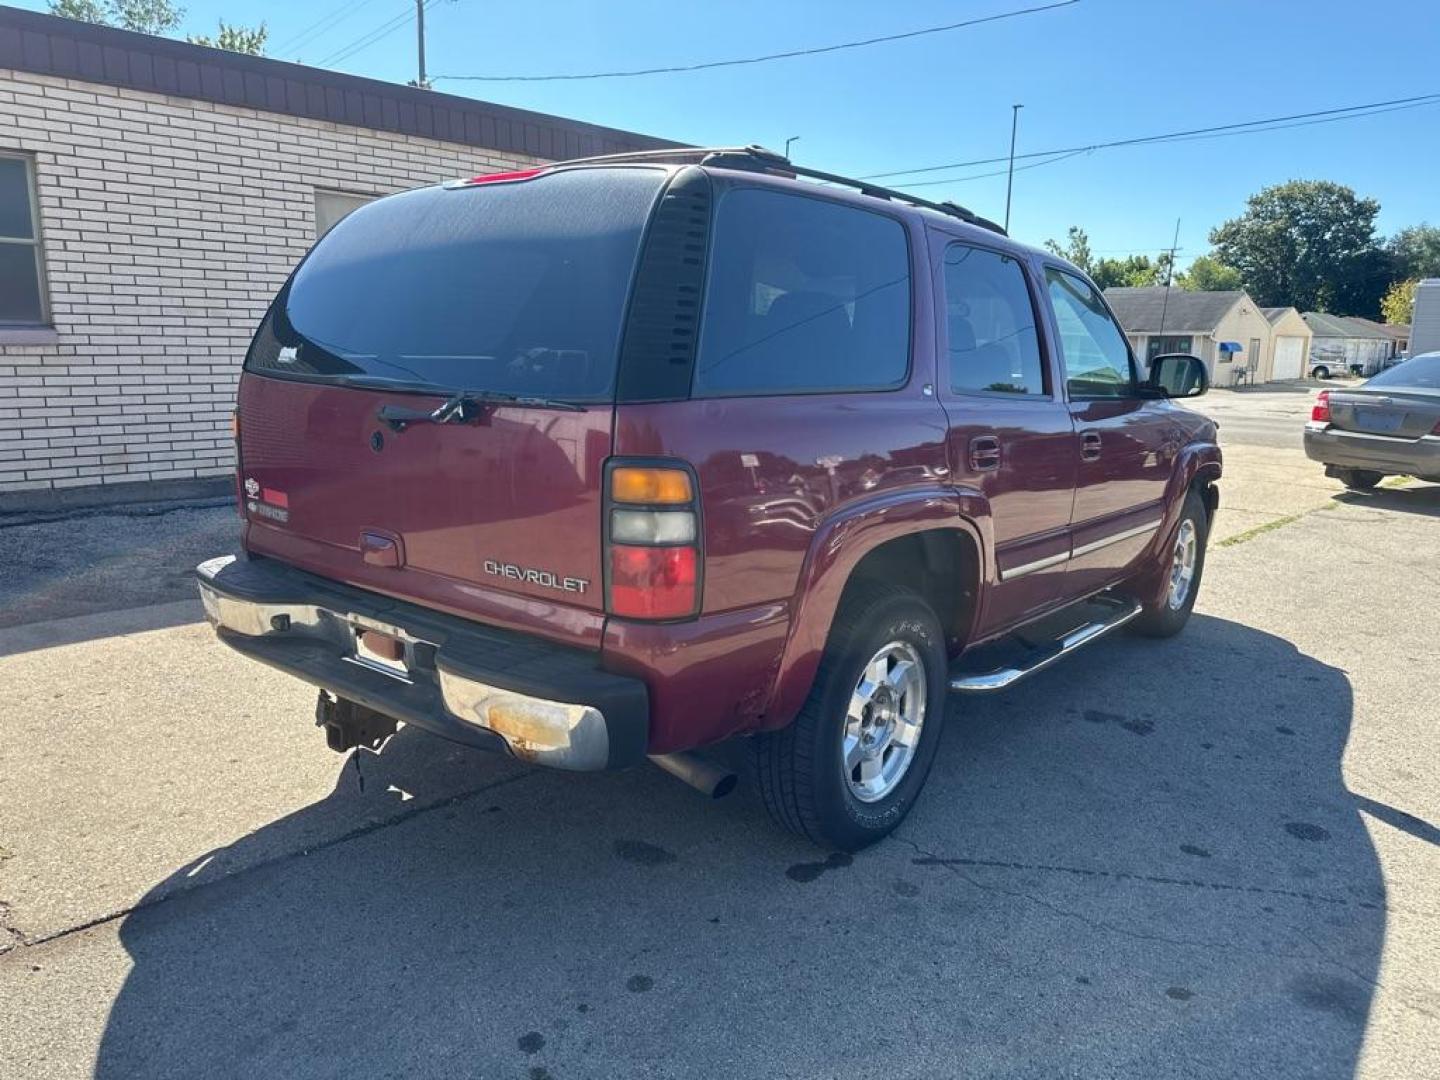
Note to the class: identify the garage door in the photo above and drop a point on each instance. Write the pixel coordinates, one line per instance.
(1289, 355)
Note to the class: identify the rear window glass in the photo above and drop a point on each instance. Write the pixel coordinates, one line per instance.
(517, 287)
(803, 296)
(1419, 371)
(990, 320)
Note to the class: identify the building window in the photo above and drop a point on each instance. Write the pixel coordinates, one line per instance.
(331, 206)
(1161, 346)
(22, 276)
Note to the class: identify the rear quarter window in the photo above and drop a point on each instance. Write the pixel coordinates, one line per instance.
(803, 296)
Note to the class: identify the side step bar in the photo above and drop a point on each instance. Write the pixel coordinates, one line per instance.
(1120, 612)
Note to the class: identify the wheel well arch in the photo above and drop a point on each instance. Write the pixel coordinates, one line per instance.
(941, 565)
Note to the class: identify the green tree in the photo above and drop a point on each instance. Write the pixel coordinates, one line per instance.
(1398, 304)
(91, 11)
(1136, 271)
(1209, 274)
(240, 39)
(1310, 244)
(1416, 251)
(1076, 248)
(142, 16)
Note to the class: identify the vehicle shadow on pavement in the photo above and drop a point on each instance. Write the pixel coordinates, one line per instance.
(1423, 500)
(1143, 864)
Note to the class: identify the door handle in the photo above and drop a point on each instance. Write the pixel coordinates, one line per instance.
(1089, 445)
(985, 453)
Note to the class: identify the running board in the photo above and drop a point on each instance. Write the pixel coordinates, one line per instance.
(1121, 611)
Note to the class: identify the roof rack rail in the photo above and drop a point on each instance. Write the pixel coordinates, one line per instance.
(759, 159)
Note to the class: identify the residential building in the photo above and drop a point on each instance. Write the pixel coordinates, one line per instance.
(1398, 333)
(1425, 322)
(1341, 345)
(1225, 329)
(153, 196)
(1289, 343)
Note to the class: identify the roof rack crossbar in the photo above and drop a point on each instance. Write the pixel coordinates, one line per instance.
(760, 159)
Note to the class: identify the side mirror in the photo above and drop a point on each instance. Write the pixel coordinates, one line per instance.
(1178, 375)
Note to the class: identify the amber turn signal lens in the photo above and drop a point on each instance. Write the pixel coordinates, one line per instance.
(631, 484)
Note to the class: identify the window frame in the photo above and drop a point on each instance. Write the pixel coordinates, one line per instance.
(36, 243)
(317, 192)
(722, 192)
(1078, 275)
(1047, 367)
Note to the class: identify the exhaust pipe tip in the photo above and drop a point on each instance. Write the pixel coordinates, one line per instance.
(711, 780)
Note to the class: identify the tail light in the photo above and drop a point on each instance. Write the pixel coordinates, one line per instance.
(1320, 413)
(652, 542)
(1436, 429)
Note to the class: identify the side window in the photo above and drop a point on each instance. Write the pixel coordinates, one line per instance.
(991, 321)
(22, 288)
(1097, 361)
(803, 296)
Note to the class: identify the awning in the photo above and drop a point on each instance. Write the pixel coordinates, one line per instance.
(1231, 346)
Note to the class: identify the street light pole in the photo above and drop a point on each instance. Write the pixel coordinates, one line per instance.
(792, 138)
(420, 42)
(1010, 173)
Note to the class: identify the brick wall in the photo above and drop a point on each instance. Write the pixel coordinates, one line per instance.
(168, 224)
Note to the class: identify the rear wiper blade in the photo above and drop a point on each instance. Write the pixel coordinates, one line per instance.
(466, 406)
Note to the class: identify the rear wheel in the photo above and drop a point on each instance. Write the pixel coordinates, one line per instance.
(1321, 373)
(849, 768)
(1359, 479)
(1183, 569)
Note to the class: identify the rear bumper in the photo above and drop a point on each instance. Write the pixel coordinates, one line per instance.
(478, 685)
(1377, 453)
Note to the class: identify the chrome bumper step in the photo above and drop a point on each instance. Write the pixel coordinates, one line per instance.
(1114, 612)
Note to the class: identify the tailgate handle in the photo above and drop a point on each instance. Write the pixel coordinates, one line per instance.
(381, 548)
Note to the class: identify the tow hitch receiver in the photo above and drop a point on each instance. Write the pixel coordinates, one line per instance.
(348, 725)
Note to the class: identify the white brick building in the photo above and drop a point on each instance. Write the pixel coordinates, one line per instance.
(174, 187)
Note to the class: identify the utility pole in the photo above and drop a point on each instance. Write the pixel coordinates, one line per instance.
(1169, 275)
(1010, 175)
(420, 80)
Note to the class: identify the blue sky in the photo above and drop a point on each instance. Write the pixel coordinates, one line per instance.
(1091, 72)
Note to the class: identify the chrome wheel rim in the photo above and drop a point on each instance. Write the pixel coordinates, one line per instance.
(1182, 566)
(883, 722)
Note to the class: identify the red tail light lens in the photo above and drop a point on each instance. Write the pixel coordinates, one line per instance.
(652, 582)
(1320, 414)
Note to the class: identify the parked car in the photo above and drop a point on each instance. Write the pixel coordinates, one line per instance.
(624, 457)
(1389, 425)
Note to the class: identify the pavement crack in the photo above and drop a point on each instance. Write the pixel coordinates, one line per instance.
(1318, 953)
(24, 940)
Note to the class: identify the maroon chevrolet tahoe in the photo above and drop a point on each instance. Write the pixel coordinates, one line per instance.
(619, 458)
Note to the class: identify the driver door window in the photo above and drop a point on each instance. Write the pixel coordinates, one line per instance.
(1097, 358)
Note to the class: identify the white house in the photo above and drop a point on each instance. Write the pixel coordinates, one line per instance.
(1227, 330)
(1342, 345)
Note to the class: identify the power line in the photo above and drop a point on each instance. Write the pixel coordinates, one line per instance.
(762, 59)
(324, 23)
(1420, 99)
(384, 30)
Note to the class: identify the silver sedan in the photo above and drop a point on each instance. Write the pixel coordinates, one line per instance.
(1386, 426)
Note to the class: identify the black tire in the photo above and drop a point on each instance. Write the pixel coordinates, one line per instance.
(799, 768)
(1359, 479)
(1166, 619)
(1321, 373)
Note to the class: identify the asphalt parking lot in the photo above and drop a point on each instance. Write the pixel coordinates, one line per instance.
(1211, 856)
